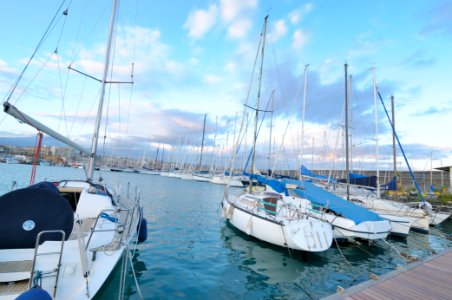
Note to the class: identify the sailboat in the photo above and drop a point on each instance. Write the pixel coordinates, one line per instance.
(62, 240)
(265, 214)
(403, 217)
(349, 220)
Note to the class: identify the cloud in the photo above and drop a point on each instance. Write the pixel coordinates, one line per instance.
(212, 79)
(299, 39)
(5, 69)
(419, 59)
(234, 9)
(438, 19)
(239, 28)
(299, 14)
(279, 30)
(434, 111)
(200, 21)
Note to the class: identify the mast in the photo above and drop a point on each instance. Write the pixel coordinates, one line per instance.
(376, 132)
(202, 141)
(264, 32)
(156, 157)
(270, 138)
(303, 113)
(347, 167)
(394, 150)
(351, 122)
(92, 155)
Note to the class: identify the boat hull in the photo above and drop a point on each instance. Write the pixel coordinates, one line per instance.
(307, 234)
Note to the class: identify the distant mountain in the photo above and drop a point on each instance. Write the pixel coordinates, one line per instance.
(28, 141)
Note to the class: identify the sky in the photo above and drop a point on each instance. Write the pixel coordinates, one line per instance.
(192, 59)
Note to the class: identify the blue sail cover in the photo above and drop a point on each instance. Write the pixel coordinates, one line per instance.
(391, 185)
(308, 173)
(319, 196)
(275, 184)
(363, 180)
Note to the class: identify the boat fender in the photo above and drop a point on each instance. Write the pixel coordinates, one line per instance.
(35, 293)
(142, 230)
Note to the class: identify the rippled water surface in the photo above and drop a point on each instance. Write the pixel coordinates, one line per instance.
(192, 253)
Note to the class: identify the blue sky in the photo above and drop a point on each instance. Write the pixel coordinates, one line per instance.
(196, 57)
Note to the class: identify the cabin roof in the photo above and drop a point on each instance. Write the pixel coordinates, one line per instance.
(446, 168)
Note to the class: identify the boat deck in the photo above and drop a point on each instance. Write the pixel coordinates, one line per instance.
(428, 279)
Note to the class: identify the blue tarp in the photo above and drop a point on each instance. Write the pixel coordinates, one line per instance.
(306, 172)
(391, 185)
(275, 184)
(319, 196)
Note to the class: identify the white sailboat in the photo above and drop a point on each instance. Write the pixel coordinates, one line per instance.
(265, 215)
(62, 240)
(349, 221)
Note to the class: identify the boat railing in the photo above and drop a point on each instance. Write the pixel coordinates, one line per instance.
(122, 218)
(36, 276)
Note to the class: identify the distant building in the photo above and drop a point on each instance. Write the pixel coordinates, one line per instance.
(447, 169)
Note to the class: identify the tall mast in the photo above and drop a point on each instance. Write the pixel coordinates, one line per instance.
(303, 113)
(347, 167)
(350, 87)
(264, 32)
(271, 129)
(394, 150)
(202, 141)
(156, 157)
(92, 155)
(376, 132)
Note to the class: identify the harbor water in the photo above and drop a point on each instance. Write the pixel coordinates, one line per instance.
(192, 253)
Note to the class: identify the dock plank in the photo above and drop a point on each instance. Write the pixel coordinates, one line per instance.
(428, 279)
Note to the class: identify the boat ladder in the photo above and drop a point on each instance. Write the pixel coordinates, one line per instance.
(37, 276)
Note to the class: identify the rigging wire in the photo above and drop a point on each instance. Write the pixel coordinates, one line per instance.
(12, 89)
(43, 38)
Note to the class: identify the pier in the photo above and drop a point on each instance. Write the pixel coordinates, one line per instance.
(427, 279)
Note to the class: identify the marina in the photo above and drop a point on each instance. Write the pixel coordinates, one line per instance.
(191, 252)
(172, 159)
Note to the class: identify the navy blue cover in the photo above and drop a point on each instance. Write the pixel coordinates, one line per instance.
(39, 204)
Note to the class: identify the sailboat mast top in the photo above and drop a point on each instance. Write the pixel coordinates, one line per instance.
(347, 167)
(264, 32)
(305, 85)
(102, 92)
(394, 150)
(376, 132)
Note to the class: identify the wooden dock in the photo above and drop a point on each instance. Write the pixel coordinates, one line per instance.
(427, 279)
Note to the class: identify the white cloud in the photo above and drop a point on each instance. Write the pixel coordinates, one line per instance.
(239, 29)
(299, 14)
(200, 21)
(231, 9)
(299, 39)
(4, 68)
(278, 31)
(211, 79)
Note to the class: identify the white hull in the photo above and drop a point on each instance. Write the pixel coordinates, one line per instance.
(94, 247)
(437, 217)
(419, 218)
(297, 232)
(226, 180)
(400, 226)
(345, 229)
(201, 177)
